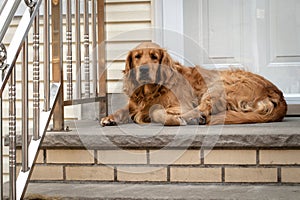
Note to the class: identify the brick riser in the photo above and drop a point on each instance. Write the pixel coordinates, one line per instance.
(280, 166)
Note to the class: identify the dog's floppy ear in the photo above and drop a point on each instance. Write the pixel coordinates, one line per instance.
(166, 59)
(166, 69)
(129, 76)
(128, 63)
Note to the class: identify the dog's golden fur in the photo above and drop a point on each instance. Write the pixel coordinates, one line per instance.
(163, 91)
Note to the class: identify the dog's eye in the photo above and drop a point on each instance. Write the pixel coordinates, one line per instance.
(137, 56)
(153, 57)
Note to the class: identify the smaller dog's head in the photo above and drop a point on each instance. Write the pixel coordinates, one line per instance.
(148, 63)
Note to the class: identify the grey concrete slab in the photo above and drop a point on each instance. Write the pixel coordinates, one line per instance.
(121, 191)
(88, 134)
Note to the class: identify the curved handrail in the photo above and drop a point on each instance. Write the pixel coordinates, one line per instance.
(2, 6)
(16, 44)
(6, 16)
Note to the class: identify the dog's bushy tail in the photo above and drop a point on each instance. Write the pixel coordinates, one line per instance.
(265, 111)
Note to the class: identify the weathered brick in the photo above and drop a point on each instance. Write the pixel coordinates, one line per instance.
(290, 175)
(92, 173)
(195, 174)
(285, 157)
(251, 175)
(232, 157)
(41, 172)
(70, 156)
(184, 157)
(40, 158)
(142, 174)
(122, 157)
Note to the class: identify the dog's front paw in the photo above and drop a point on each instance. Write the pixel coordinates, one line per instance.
(195, 118)
(108, 121)
(202, 119)
(182, 122)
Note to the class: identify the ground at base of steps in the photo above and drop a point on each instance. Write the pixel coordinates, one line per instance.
(130, 191)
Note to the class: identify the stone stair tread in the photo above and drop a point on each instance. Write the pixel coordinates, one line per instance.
(89, 134)
(156, 191)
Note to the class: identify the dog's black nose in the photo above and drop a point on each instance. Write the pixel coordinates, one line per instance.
(144, 70)
(144, 73)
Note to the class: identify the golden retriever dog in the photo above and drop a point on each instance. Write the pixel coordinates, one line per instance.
(161, 90)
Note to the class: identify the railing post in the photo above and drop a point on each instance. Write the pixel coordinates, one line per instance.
(12, 135)
(101, 60)
(57, 66)
(69, 51)
(86, 42)
(2, 65)
(94, 49)
(25, 107)
(1, 150)
(36, 79)
(78, 49)
(46, 57)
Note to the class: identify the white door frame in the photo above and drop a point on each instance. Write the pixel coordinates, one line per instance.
(168, 24)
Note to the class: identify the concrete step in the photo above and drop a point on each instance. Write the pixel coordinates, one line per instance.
(147, 191)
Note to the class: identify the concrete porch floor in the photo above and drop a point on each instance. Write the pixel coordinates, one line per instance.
(121, 191)
(89, 134)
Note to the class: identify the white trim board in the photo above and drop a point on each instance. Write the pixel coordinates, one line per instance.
(168, 23)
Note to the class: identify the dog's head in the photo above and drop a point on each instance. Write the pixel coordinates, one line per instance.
(148, 63)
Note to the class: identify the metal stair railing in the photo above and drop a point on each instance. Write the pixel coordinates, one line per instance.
(90, 85)
(41, 118)
(87, 82)
(92, 67)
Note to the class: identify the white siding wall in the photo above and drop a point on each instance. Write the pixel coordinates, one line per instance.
(127, 24)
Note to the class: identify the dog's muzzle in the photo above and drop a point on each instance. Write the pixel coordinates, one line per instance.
(144, 73)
